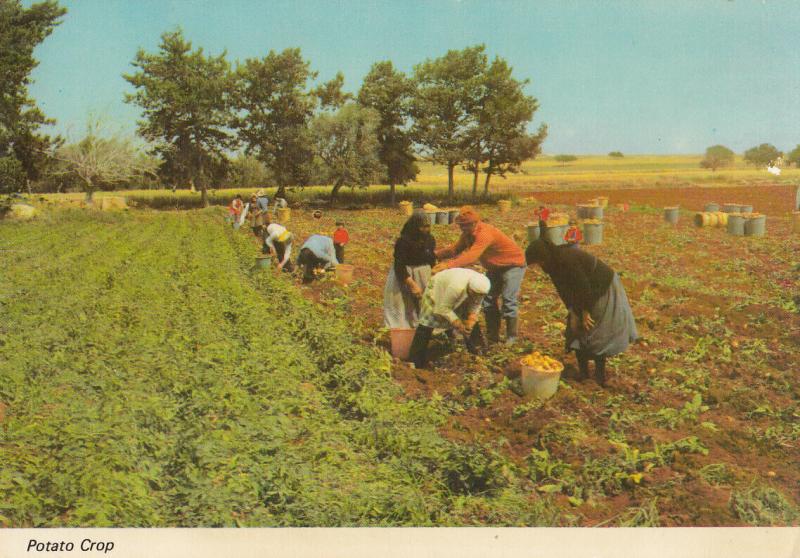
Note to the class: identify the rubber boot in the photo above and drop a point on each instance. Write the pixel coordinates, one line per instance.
(600, 370)
(475, 342)
(418, 354)
(583, 365)
(511, 330)
(492, 324)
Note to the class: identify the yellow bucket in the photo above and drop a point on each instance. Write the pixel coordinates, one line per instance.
(284, 215)
(602, 201)
(406, 207)
(344, 273)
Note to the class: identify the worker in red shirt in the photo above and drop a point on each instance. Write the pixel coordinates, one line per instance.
(505, 267)
(542, 214)
(573, 236)
(340, 238)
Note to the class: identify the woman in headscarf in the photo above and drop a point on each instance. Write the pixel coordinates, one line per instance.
(408, 277)
(600, 323)
(452, 301)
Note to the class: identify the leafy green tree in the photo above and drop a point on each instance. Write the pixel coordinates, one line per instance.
(564, 159)
(616, 155)
(717, 156)
(347, 144)
(389, 92)
(449, 91)
(186, 98)
(248, 172)
(330, 93)
(501, 138)
(104, 159)
(761, 155)
(21, 30)
(794, 156)
(12, 175)
(276, 108)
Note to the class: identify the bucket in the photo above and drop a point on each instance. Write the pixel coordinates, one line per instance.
(735, 224)
(711, 207)
(533, 231)
(602, 201)
(745, 209)
(406, 208)
(451, 216)
(755, 225)
(705, 219)
(583, 210)
(263, 261)
(344, 273)
(593, 233)
(504, 205)
(796, 221)
(236, 225)
(722, 219)
(594, 212)
(730, 208)
(542, 385)
(431, 215)
(284, 214)
(555, 235)
(441, 217)
(401, 342)
(671, 214)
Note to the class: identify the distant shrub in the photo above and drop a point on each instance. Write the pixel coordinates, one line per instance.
(564, 159)
(616, 155)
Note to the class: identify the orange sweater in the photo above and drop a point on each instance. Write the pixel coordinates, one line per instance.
(487, 244)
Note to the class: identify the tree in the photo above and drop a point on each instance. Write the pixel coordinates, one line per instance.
(248, 172)
(330, 93)
(347, 144)
(100, 159)
(449, 91)
(717, 156)
(389, 93)
(564, 159)
(12, 176)
(501, 138)
(186, 98)
(21, 30)
(761, 155)
(616, 155)
(794, 156)
(277, 110)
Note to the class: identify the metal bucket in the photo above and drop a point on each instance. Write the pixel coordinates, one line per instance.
(594, 212)
(263, 261)
(441, 217)
(555, 235)
(745, 209)
(431, 215)
(671, 214)
(730, 207)
(451, 216)
(711, 207)
(735, 224)
(593, 233)
(755, 225)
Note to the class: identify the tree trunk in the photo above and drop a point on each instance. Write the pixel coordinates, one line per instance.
(336, 187)
(475, 172)
(203, 195)
(28, 183)
(89, 192)
(486, 184)
(391, 195)
(450, 184)
(281, 193)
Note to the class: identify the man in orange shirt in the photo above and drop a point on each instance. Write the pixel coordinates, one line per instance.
(505, 267)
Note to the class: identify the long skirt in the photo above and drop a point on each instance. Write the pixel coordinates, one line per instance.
(400, 307)
(614, 327)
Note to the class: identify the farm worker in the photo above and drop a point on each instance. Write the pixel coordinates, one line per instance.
(452, 300)
(278, 241)
(542, 214)
(280, 203)
(316, 253)
(262, 201)
(340, 239)
(235, 208)
(600, 323)
(573, 235)
(257, 218)
(414, 254)
(505, 267)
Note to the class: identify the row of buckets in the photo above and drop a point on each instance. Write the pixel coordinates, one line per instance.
(737, 219)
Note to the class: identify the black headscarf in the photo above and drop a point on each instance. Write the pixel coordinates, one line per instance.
(411, 230)
(414, 247)
(543, 253)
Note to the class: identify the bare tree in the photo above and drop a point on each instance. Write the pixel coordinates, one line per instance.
(102, 158)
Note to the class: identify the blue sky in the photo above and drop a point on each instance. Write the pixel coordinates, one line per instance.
(641, 77)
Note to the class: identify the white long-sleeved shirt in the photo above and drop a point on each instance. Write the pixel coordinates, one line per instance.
(278, 233)
(447, 291)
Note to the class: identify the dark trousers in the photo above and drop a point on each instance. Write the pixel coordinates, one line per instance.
(599, 366)
(418, 354)
(339, 252)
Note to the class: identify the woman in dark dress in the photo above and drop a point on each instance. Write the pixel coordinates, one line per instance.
(600, 323)
(408, 277)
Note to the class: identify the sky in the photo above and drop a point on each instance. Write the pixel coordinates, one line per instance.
(648, 76)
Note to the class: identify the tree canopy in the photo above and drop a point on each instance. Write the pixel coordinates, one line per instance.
(761, 155)
(186, 98)
(717, 156)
